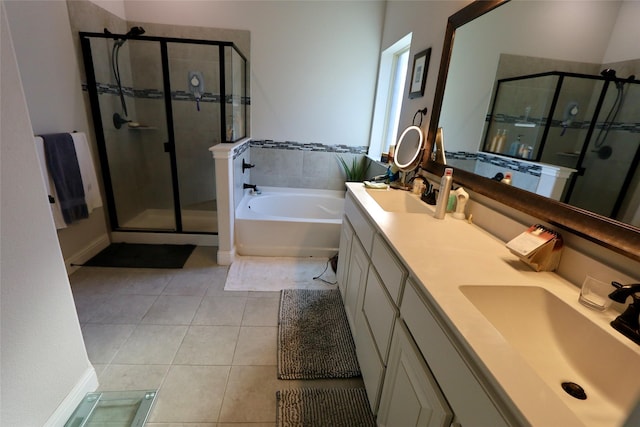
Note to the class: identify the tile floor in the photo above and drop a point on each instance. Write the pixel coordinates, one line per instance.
(211, 353)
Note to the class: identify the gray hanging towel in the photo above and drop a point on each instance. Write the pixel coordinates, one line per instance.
(63, 165)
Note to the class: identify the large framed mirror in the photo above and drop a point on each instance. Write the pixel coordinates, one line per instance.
(499, 31)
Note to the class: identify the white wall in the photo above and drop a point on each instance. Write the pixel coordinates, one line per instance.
(43, 358)
(50, 74)
(623, 44)
(427, 20)
(313, 63)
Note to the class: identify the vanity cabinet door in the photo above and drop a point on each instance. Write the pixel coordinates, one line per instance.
(410, 394)
(356, 282)
(346, 237)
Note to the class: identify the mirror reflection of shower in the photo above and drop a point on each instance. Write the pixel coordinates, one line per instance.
(118, 121)
(609, 169)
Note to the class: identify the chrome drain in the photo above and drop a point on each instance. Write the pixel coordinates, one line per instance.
(574, 390)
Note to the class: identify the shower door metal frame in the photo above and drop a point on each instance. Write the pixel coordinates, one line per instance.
(170, 145)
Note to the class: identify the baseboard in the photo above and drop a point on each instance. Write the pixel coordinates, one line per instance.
(76, 260)
(87, 384)
(226, 257)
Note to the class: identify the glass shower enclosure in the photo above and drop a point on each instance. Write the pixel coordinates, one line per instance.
(158, 104)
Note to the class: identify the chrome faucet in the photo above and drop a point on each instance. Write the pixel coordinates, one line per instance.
(627, 323)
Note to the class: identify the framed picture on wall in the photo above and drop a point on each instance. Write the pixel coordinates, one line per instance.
(419, 73)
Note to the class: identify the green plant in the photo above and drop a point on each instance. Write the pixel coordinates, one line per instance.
(357, 170)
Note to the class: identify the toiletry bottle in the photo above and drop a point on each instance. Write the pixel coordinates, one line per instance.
(507, 179)
(494, 141)
(443, 194)
(515, 146)
(501, 140)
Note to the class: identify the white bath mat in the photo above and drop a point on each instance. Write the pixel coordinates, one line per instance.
(250, 273)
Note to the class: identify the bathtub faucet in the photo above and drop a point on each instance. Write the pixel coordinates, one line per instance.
(253, 187)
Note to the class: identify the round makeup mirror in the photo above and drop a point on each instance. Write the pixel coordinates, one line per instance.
(408, 149)
(407, 156)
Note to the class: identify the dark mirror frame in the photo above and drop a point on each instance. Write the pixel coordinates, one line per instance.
(617, 236)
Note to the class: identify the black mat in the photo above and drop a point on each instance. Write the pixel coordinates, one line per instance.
(134, 255)
(334, 407)
(314, 338)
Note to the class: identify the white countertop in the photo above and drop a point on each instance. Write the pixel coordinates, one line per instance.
(445, 254)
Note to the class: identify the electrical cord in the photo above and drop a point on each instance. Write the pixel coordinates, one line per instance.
(319, 277)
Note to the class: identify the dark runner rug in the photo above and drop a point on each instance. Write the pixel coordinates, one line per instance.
(134, 255)
(314, 339)
(331, 407)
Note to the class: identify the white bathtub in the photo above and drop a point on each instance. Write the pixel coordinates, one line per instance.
(289, 222)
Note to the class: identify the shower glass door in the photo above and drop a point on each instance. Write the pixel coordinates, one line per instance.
(194, 71)
(132, 108)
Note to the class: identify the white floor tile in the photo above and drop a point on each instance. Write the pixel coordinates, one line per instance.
(257, 346)
(220, 311)
(151, 344)
(172, 310)
(208, 345)
(191, 394)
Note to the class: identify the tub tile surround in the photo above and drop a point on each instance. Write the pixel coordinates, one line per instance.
(301, 165)
(467, 254)
(540, 178)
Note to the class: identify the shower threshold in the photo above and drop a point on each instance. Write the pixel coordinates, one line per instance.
(113, 408)
(204, 221)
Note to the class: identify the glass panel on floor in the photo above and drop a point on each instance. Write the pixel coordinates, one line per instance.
(113, 409)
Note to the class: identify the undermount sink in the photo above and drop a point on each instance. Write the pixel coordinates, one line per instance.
(399, 201)
(562, 345)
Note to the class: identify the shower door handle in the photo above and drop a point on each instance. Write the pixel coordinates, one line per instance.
(167, 147)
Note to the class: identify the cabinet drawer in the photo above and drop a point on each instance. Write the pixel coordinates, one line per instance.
(389, 268)
(467, 397)
(370, 364)
(380, 313)
(361, 225)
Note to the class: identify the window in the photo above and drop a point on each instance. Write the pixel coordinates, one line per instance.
(389, 94)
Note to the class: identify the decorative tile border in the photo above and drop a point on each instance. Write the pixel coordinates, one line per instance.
(178, 95)
(237, 152)
(311, 146)
(632, 127)
(512, 164)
